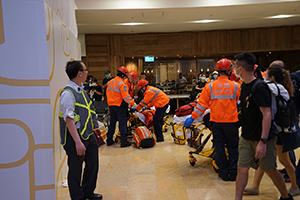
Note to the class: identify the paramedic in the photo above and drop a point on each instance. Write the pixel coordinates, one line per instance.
(118, 100)
(132, 78)
(77, 121)
(221, 96)
(257, 147)
(154, 97)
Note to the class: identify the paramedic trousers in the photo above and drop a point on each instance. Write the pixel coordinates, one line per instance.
(81, 186)
(158, 120)
(226, 135)
(117, 114)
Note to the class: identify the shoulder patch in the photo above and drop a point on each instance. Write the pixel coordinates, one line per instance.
(125, 88)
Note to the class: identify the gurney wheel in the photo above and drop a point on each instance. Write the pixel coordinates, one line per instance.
(192, 160)
(215, 166)
(192, 163)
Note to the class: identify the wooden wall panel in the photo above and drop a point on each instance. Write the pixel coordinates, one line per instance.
(260, 39)
(97, 55)
(295, 37)
(163, 44)
(108, 51)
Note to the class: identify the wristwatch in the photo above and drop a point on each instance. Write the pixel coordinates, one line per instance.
(264, 140)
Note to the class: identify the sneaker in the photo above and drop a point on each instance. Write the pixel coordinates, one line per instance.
(294, 192)
(282, 171)
(232, 176)
(223, 177)
(251, 191)
(125, 144)
(109, 143)
(287, 178)
(289, 198)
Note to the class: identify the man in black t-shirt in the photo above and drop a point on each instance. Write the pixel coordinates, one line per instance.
(256, 147)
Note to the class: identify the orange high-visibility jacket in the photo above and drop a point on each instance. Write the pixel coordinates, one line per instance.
(153, 97)
(221, 96)
(117, 91)
(130, 87)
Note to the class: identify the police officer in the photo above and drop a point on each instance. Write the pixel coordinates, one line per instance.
(221, 97)
(154, 97)
(118, 100)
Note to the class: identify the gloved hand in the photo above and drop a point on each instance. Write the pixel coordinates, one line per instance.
(188, 122)
(134, 105)
(143, 109)
(133, 109)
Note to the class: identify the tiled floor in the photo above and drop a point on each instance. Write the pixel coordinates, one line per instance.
(163, 172)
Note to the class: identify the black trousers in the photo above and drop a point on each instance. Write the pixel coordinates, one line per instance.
(226, 135)
(117, 114)
(158, 120)
(82, 186)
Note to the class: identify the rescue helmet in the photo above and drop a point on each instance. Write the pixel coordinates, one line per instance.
(223, 65)
(215, 72)
(123, 70)
(141, 83)
(133, 75)
(233, 77)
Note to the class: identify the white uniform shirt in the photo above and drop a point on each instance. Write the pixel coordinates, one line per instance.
(67, 102)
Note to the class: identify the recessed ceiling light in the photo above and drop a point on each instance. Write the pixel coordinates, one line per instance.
(206, 21)
(280, 16)
(132, 24)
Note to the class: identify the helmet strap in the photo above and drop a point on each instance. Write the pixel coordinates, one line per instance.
(228, 72)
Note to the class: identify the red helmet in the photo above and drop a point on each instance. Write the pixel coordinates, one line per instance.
(123, 70)
(223, 64)
(141, 83)
(233, 76)
(133, 75)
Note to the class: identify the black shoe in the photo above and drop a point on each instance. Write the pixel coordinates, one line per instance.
(282, 171)
(224, 178)
(289, 198)
(109, 143)
(160, 139)
(232, 177)
(287, 178)
(95, 197)
(125, 144)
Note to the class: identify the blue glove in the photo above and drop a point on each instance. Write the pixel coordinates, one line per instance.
(143, 109)
(188, 122)
(133, 109)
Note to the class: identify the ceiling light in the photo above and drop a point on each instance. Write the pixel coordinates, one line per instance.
(280, 16)
(206, 21)
(132, 24)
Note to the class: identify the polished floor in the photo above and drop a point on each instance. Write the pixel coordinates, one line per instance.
(163, 172)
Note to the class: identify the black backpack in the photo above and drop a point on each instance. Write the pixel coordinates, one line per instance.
(286, 111)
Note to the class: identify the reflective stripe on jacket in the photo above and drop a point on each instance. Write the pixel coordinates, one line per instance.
(130, 87)
(153, 97)
(221, 97)
(117, 91)
(84, 114)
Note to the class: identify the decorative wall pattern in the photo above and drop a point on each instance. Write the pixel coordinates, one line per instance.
(35, 45)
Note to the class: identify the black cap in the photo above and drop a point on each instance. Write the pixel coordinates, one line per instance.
(107, 71)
